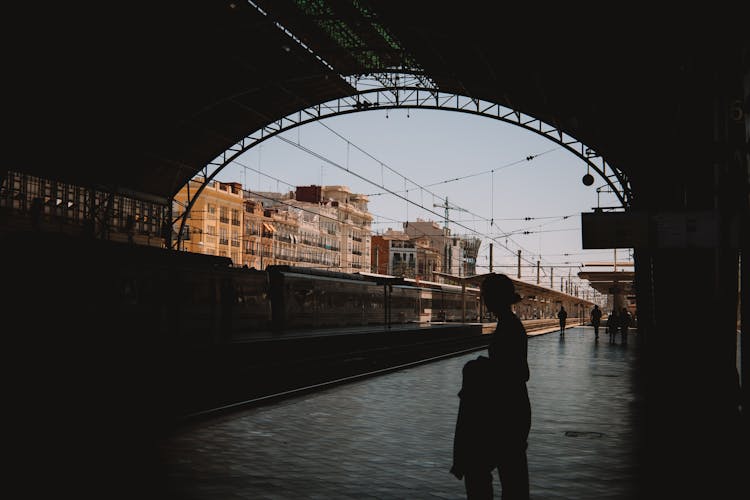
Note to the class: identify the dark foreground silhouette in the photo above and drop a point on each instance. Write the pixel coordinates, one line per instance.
(494, 416)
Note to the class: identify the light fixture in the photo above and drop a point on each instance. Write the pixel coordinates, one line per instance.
(588, 179)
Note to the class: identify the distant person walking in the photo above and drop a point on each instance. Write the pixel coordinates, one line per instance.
(562, 315)
(494, 416)
(612, 325)
(625, 321)
(596, 318)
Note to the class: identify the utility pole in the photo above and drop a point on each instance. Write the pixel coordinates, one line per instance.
(490, 257)
(614, 263)
(551, 277)
(537, 271)
(519, 264)
(447, 207)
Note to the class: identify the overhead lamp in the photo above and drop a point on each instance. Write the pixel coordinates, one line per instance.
(588, 179)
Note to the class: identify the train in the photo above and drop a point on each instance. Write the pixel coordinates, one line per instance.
(303, 298)
(152, 294)
(206, 299)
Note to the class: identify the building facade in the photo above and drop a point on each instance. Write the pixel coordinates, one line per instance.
(325, 227)
(216, 222)
(422, 249)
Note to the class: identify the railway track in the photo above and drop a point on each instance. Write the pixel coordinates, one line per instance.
(308, 365)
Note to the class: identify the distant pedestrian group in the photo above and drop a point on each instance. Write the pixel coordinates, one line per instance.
(619, 322)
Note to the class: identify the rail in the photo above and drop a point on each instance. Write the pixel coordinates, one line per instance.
(310, 364)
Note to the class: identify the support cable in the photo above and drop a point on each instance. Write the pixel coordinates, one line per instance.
(361, 177)
(384, 165)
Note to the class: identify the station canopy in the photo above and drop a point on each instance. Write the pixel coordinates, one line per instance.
(137, 97)
(610, 282)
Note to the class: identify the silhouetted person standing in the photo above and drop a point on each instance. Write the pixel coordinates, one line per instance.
(624, 324)
(612, 325)
(562, 315)
(494, 415)
(596, 318)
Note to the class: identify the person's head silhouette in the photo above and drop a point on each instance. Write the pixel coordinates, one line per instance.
(498, 292)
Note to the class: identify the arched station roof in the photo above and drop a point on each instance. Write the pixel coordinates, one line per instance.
(137, 97)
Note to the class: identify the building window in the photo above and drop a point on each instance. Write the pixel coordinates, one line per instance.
(224, 215)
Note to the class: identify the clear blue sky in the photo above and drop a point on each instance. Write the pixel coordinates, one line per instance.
(433, 146)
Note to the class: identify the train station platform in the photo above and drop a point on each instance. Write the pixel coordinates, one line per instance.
(391, 436)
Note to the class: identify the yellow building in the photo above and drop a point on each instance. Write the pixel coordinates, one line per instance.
(215, 223)
(355, 226)
(318, 226)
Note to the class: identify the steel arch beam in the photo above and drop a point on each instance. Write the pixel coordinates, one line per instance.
(414, 93)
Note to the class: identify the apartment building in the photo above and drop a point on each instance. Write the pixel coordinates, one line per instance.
(215, 224)
(421, 249)
(325, 227)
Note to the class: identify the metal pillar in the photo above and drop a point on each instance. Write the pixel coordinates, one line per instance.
(519, 264)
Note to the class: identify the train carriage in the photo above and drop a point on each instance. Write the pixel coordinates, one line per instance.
(441, 302)
(404, 304)
(245, 302)
(305, 298)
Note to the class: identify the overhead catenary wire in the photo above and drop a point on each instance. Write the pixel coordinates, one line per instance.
(280, 201)
(476, 174)
(395, 193)
(384, 165)
(361, 177)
